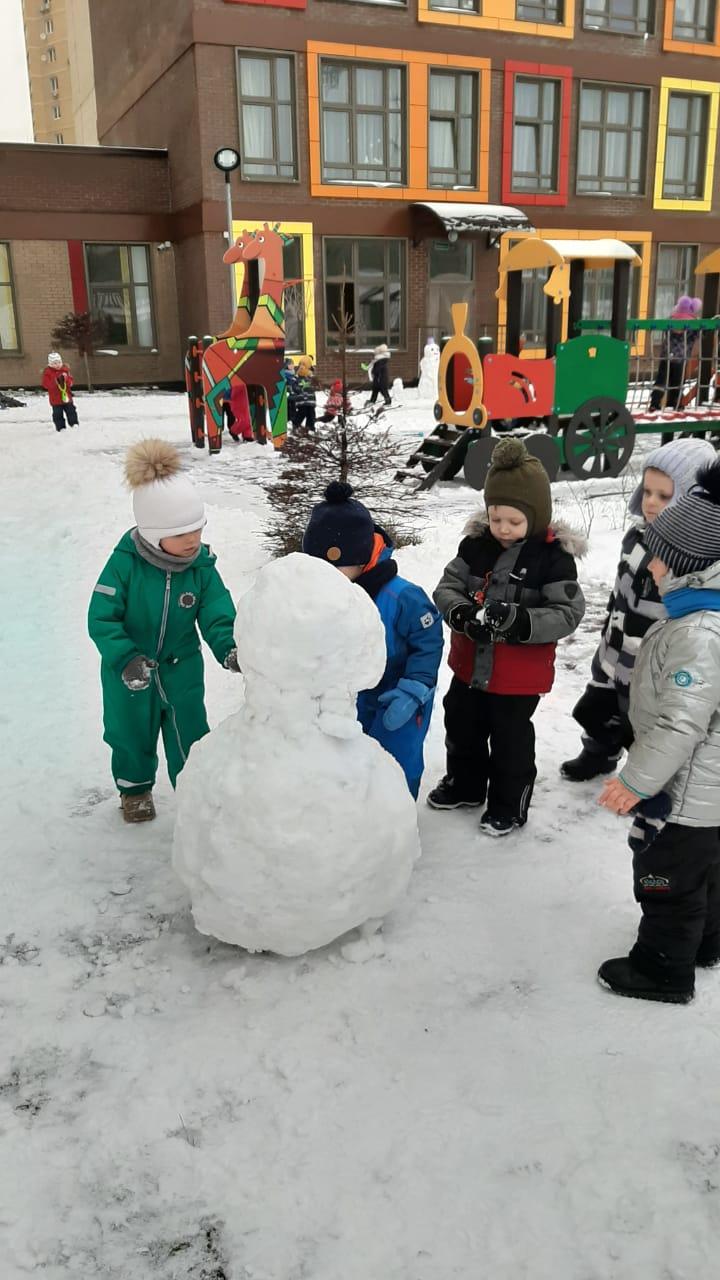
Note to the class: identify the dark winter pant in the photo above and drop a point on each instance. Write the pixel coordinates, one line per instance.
(677, 883)
(490, 743)
(604, 718)
(69, 411)
(379, 391)
(173, 705)
(305, 416)
(668, 383)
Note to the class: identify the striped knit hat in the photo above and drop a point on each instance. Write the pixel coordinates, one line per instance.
(686, 535)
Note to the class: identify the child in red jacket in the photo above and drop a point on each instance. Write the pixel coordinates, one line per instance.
(508, 596)
(57, 381)
(335, 402)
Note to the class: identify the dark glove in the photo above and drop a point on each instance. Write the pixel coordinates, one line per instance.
(138, 673)
(231, 661)
(511, 621)
(404, 702)
(463, 618)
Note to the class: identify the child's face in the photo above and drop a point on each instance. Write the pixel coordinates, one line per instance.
(182, 544)
(351, 571)
(658, 569)
(507, 525)
(658, 490)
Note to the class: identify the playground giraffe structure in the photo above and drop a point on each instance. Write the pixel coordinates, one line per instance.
(252, 349)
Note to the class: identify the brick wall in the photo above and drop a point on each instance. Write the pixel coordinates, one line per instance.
(43, 294)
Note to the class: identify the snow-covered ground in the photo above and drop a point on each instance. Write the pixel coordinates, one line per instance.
(467, 1105)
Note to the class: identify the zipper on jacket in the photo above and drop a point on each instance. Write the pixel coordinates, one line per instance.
(166, 607)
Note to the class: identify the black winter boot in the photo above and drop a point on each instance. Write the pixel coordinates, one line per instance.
(446, 795)
(588, 765)
(708, 953)
(624, 979)
(491, 826)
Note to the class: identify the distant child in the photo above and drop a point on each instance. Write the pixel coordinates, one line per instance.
(677, 348)
(57, 380)
(396, 713)
(508, 596)
(305, 394)
(159, 585)
(335, 402)
(288, 373)
(236, 409)
(633, 607)
(378, 372)
(675, 759)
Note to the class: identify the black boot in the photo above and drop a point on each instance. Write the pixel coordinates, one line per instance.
(447, 795)
(622, 977)
(588, 765)
(708, 953)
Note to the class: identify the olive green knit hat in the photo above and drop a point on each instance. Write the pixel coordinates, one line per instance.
(517, 480)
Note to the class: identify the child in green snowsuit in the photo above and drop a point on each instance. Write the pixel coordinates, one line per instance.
(159, 585)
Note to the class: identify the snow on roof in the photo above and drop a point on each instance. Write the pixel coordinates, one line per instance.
(591, 249)
(476, 217)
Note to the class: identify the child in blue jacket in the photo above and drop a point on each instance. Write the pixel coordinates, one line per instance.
(396, 713)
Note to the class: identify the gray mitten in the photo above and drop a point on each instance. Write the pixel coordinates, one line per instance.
(231, 661)
(138, 673)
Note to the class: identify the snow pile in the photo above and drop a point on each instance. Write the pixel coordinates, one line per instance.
(292, 827)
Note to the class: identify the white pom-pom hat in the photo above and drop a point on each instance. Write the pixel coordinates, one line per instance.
(165, 501)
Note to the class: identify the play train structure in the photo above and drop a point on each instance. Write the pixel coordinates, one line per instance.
(579, 403)
(582, 403)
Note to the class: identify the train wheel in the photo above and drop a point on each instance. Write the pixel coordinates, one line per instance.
(599, 439)
(547, 451)
(477, 461)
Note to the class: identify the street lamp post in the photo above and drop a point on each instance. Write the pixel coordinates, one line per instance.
(227, 159)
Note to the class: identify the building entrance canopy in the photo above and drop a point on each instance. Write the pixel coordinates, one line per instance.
(494, 218)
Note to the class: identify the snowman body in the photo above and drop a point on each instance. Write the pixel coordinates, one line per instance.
(429, 365)
(292, 826)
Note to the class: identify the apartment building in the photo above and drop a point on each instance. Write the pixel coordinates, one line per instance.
(405, 144)
(60, 71)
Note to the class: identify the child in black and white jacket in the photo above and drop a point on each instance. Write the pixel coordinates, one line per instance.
(633, 607)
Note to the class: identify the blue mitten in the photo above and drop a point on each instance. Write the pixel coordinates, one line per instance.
(403, 702)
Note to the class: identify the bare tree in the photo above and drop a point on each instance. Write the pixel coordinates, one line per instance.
(81, 331)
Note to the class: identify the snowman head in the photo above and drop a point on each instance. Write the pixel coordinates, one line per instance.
(306, 628)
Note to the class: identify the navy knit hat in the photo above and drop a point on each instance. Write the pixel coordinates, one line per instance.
(686, 535)
(340, 530)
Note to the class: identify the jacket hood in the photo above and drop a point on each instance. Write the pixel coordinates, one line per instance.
(571, 540)
(699, 580)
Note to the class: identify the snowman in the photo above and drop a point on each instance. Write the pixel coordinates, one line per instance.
(429, 365)
(292, 826)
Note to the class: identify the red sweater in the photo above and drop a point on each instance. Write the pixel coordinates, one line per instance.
(53, 381)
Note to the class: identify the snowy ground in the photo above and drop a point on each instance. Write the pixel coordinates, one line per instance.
(469, 1104)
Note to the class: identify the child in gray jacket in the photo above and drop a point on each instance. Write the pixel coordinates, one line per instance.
(673, 767)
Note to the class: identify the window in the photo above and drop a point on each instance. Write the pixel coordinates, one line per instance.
(611, 139)
(363, 126)
(294, 296)
(57, 113)
(451, 280)
(266, 92)
(598, 290)
(631, 17)
(539, 10)
(536, 121)
(452, 129)
(685, 140)
(464, 6)
(52, 54)
(675, 275)
(54, 86)
(694, 20)
(59, 138)
(8, 324)
(366, 279)
(48, 26)
(118, 278)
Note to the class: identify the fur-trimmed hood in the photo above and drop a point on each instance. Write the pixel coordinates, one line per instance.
(571, 540)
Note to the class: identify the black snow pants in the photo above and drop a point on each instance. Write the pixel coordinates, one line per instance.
(490, 743)
(677, 883)
(603, 716)
(69, 411)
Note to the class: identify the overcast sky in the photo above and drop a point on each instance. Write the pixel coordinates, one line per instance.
(15, 118)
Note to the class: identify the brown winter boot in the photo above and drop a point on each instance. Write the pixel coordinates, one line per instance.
(138, 808)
